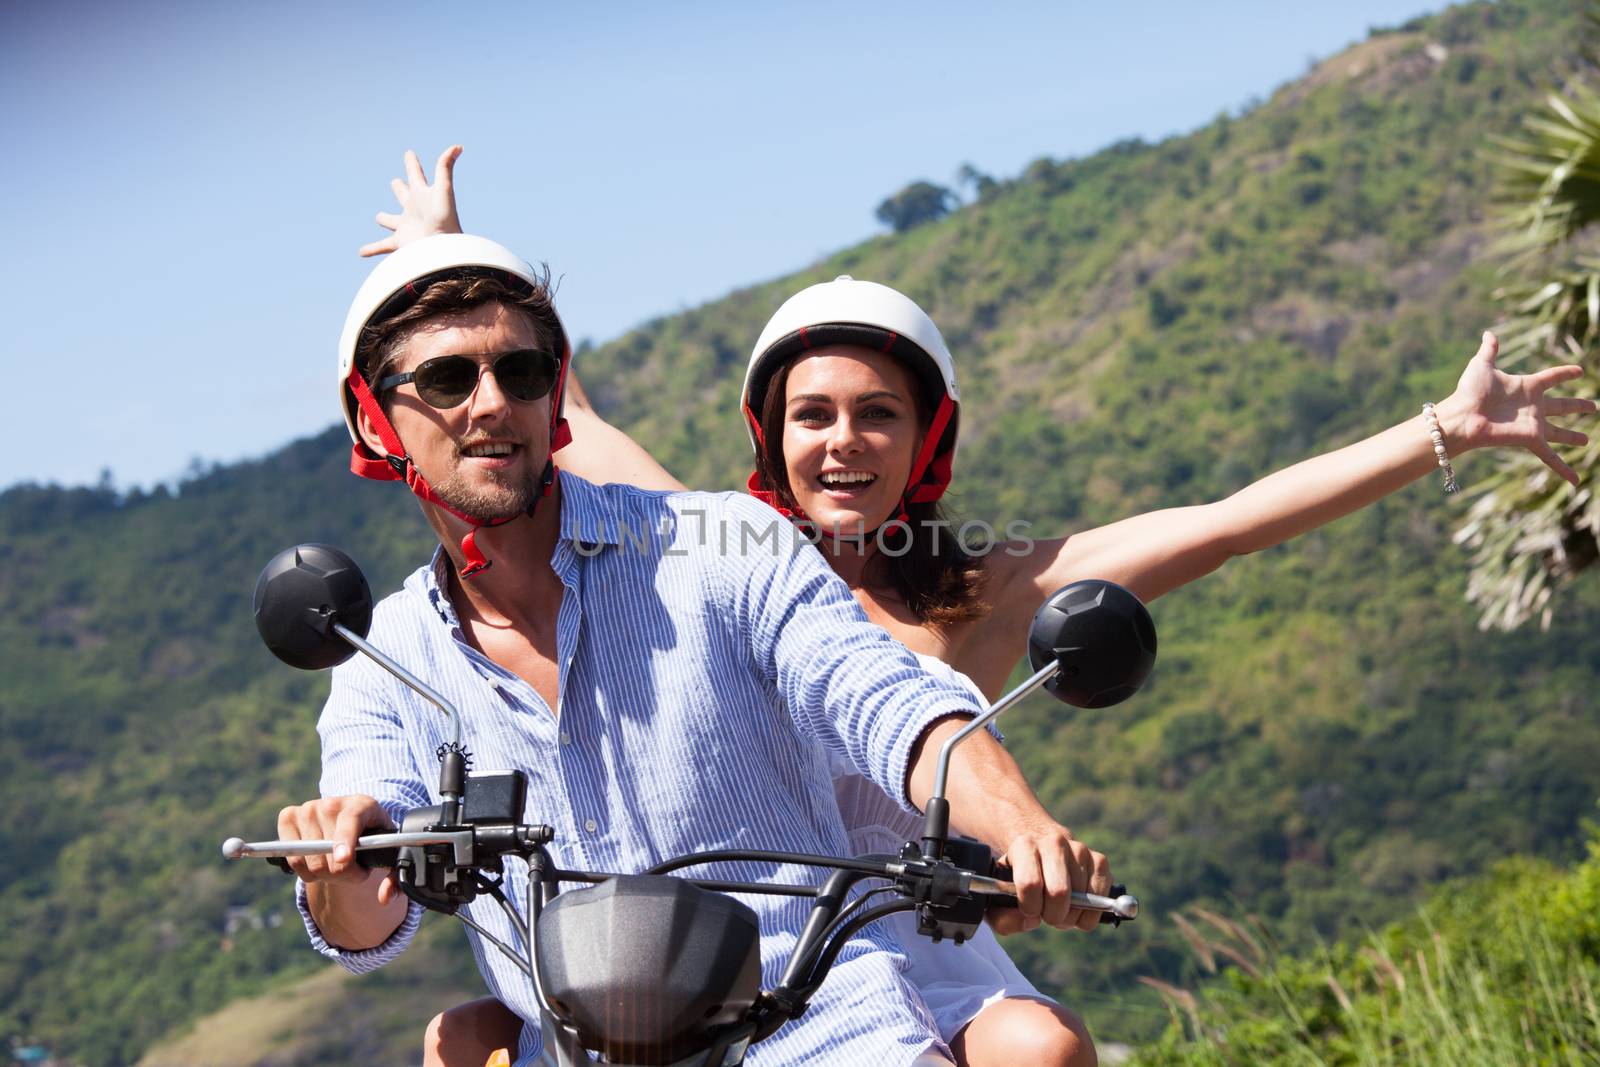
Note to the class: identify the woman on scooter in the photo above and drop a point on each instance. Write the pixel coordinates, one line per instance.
(852, 405)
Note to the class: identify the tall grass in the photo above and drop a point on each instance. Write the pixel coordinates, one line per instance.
(1471, 981)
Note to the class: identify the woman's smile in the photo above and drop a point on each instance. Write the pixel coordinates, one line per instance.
(845, 483)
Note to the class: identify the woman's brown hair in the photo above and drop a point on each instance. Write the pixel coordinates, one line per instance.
(937, 579)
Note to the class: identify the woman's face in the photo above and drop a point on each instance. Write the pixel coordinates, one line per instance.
(850, 434)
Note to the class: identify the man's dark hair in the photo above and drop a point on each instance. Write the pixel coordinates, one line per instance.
(381, 341)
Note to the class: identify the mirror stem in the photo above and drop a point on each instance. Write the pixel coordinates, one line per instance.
(452, 770)
(936, 820)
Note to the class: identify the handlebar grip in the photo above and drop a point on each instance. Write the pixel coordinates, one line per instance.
(1002, 872)
(368, 858)
(378, 857)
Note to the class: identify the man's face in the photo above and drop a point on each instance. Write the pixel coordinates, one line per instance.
(483, 457)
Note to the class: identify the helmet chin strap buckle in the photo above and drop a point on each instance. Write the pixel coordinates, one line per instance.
(397, 462)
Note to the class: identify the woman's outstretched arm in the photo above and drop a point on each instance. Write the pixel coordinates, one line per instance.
(599, 452)
(1157, 552)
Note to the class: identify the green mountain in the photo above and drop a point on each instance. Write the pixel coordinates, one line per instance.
(1327, 735)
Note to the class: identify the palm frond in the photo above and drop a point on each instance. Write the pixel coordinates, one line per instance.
(1529, 532)
(1554, 318)
(1549, 184)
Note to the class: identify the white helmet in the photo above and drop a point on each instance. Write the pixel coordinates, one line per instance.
(846, 311)
(392, 287)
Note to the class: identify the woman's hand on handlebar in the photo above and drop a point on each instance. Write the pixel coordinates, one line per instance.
(1047, 864)
(424, 209)
(340, 820)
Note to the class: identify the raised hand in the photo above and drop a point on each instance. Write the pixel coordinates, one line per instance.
(424, 209)
(1496, 409)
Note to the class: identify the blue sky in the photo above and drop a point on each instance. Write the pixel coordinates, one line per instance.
(189, 182)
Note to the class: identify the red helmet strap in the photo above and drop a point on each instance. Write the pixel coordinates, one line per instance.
(930, 471)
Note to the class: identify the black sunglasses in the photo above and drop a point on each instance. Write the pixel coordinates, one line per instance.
(444, 382)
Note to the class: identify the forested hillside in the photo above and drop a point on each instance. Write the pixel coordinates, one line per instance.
(1326, 736)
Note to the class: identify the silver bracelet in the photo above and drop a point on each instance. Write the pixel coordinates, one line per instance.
(1431, 420)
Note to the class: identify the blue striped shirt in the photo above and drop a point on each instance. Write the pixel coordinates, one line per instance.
(711, 666)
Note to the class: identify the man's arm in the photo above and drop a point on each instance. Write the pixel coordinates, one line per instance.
(602, 454)
(991, 801)
(848, 683)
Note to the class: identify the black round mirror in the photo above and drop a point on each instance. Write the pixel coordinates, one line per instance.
(1103, 637)
(301, 593)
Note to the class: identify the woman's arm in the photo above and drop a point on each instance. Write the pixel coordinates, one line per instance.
(602, 454)
(599, 452)
(1157, 552)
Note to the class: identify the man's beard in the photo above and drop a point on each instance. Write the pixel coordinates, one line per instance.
(488, 503)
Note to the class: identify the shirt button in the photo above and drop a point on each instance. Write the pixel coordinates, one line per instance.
(590, 825)
(566, 738)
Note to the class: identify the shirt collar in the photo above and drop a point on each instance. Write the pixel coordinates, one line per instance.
(430, 584)
(588, 514)
(588, 518)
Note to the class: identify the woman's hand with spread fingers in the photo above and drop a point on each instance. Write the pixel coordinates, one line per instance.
(1493, 409)
(424, 209)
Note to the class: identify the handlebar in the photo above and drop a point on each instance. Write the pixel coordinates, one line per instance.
(450, 854)
(383, 850)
